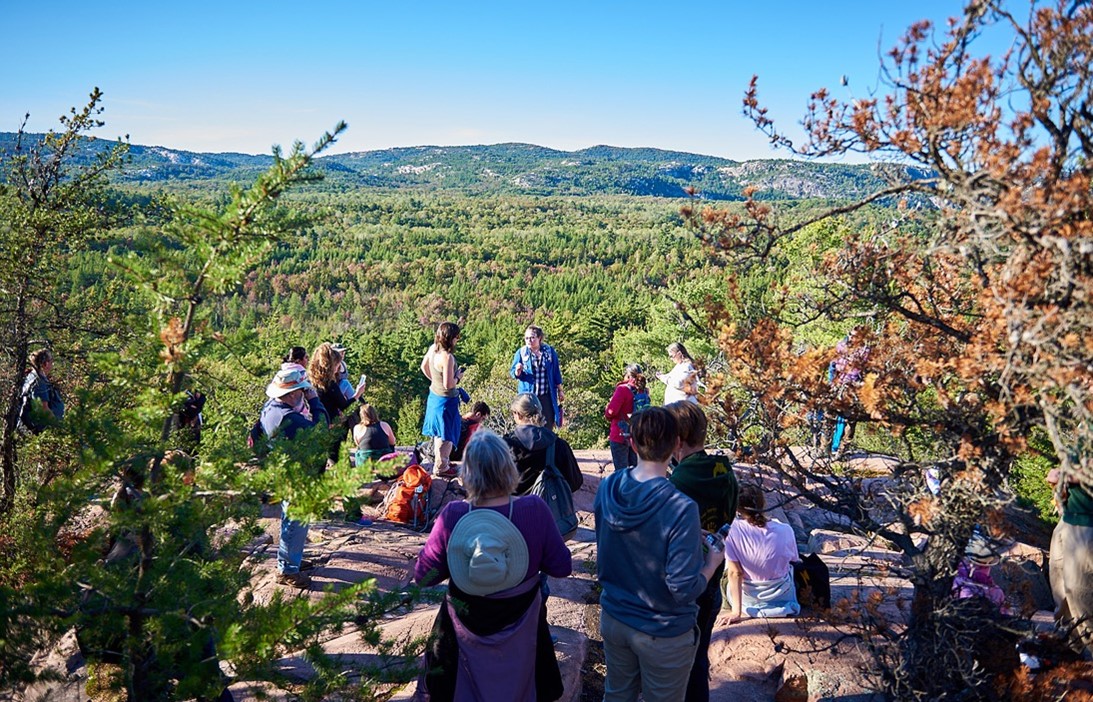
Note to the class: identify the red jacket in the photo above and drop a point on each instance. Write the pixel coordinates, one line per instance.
(619, 409)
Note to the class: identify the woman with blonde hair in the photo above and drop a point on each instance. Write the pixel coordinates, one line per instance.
(490, 639)
(442, 410)
(531, 443)
(373, 436)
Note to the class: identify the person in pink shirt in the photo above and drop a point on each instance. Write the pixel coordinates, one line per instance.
(759, 553)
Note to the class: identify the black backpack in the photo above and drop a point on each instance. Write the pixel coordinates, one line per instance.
(553, 488)
(812, 580)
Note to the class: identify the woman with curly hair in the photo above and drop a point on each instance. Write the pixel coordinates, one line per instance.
(322, 373)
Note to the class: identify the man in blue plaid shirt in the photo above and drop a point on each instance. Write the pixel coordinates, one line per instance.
(535, 366)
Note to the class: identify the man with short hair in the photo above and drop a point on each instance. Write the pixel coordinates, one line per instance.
(537, 371)
(651, 568)
(468, 425)
(711, 483)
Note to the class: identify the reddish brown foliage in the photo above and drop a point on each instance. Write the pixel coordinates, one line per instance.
(979, 331)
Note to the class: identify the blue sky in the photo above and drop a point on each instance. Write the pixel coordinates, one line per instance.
(242, 76)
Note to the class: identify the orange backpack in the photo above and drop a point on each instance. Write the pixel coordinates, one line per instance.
(407, 501)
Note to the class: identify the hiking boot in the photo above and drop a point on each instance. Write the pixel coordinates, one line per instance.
(300, 580)
(450, 472)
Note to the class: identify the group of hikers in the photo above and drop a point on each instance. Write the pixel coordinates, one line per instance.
(664, 537)
(660, 576)
(670, 521)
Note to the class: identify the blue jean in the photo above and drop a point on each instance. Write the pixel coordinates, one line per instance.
(290, 551)
(622, 455)
(657, 667)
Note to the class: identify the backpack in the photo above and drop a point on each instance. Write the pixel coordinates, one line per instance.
(812, 580)
(26, 416)
(28, 422)
(407, 502)
(257, 440)
(553, 488)
(641, 402)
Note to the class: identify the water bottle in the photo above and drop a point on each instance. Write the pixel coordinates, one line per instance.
(722, 532)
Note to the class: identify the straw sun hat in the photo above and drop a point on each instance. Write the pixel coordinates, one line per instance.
(486, 553)
(286, 381)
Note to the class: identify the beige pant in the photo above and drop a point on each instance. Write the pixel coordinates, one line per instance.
(1071, 568)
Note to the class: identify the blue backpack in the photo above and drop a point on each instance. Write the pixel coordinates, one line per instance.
(641, 402)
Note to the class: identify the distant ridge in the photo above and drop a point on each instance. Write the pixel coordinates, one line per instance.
(520, 169)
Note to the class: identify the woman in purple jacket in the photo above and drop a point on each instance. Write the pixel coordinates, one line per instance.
(490, 638)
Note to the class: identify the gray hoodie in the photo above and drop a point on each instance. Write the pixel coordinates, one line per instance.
(649, 554)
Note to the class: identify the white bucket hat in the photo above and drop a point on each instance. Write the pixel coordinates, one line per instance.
(287, 380)
(486, 553)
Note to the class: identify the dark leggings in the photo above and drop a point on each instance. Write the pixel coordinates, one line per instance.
(709, 603)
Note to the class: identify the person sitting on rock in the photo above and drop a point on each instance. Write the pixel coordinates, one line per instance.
(759, 555)
(530, 442)
(373, 437)
(490, 639)
(468, 425)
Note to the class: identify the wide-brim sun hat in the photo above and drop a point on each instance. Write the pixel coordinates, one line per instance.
(486, 553)
(286, 381)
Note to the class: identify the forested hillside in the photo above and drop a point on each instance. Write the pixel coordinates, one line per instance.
(612, 280)
(520, 169)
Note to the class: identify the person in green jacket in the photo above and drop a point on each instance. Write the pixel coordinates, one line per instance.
(1071, 560)
(711, 483)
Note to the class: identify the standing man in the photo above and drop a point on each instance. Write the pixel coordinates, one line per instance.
(1071, 561)
(535, 366)
(711, 483)
(651, 568)
(283, 416)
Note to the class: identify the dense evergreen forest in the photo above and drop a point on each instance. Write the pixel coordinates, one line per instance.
(611, 279)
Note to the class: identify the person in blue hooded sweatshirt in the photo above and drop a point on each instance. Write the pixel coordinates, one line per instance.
(651, 568)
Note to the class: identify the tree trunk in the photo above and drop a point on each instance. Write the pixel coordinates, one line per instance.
(9, 448)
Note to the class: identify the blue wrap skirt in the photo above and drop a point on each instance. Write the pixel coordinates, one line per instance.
(442, 418)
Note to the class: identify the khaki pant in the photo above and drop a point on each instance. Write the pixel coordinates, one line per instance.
(658, 667)
(1071, 568)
